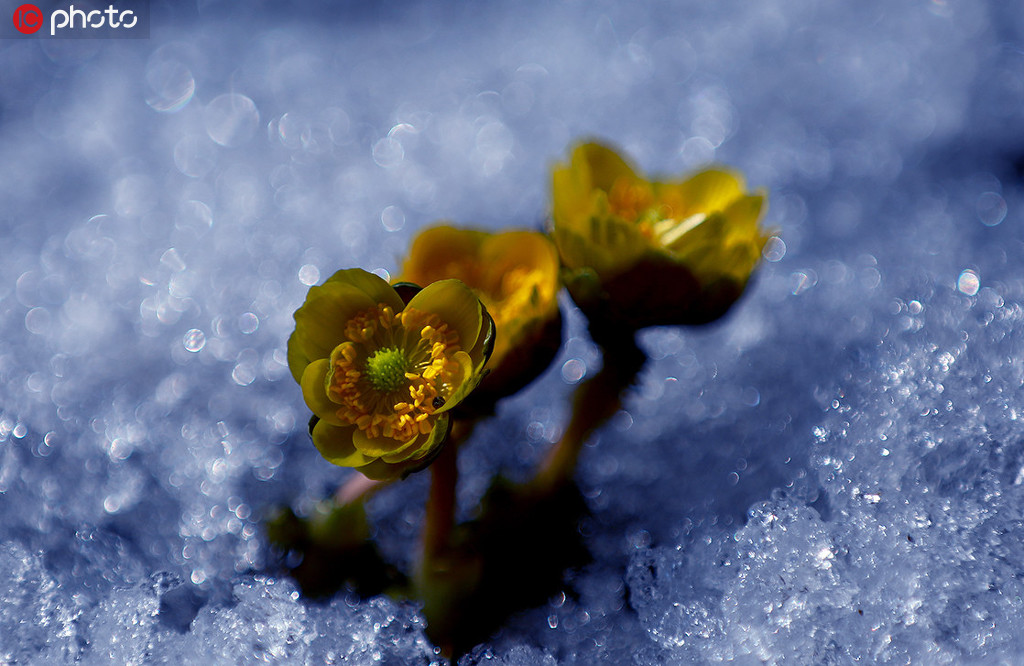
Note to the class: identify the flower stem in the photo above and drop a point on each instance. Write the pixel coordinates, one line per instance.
(594, 402)
(444, 474)
(444, 477)
(358, 488)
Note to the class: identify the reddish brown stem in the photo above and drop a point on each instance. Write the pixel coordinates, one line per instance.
(444, 476)
(358, 488)
(595, 401)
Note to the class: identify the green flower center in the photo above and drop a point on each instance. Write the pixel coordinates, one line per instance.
(386, 369)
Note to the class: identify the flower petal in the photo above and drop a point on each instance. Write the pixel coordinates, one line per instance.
(314, 391)
(571, 199)
(378, 447)
(378, 470)
(603, 165)
(606, 244)
(320, 322)
(501, 253)
(335, 444)
(372, 285)
(444, 252)
(704, 192)
(593, 168)
(415, 460)
(467, 379)
(431, 444)
(715, 248)
(297, 359)
(743, 214)
(619, 234)
(383, 471)
(484, 348)
(703, 241)
(416, 448)
(456, 305)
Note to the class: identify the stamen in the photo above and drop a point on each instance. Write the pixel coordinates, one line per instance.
(669, 234)
(628, 198)
(516, 295)
(394, 373)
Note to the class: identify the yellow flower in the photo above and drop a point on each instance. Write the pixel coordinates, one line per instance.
(516, 276)
(382, 375)
(645, 252)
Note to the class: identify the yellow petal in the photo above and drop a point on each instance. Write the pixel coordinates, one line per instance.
(705, 192)
(571, 246)
(432, 443)
(314, 392)
(407, 450)
(378, 470)
(725, 243)
(712, 256)
(603, 165)
(443, 252)
(484, 348)
(743, 214)
(465, 381)
(571, 201)
(383, 471)
(607, 244)
(335, 444)
(373, 286)
(297, 359)
(381, 446)
(456, 305)
(734, 261)
(593, 170)
(706, 238)
(427, 448)
(501, 253)
(320, 322)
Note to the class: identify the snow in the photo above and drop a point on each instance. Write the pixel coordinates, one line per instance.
(831, 474)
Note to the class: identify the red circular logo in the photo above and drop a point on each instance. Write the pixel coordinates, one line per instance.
(28, 19)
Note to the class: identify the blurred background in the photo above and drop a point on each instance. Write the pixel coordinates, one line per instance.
(830, 474)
